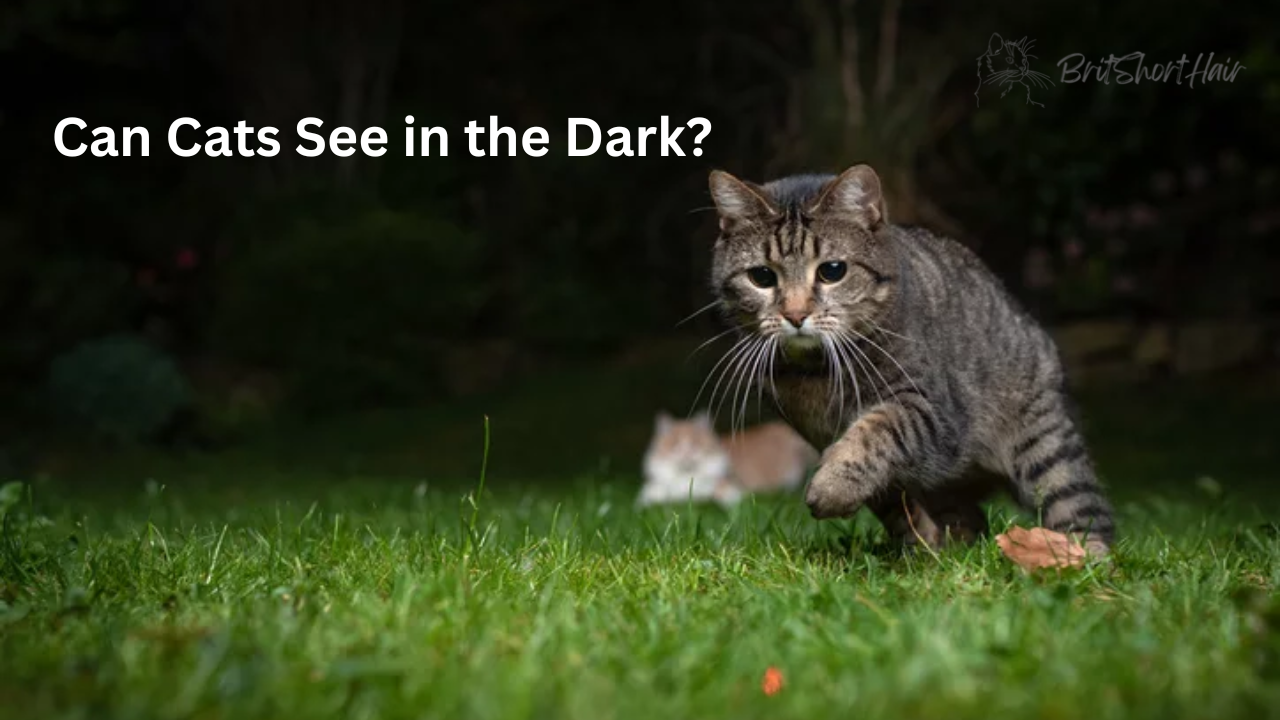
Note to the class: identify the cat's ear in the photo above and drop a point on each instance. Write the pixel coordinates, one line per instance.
(703, 418)
(739, 201)
(662, 422)
(995, 45)
(855, 194)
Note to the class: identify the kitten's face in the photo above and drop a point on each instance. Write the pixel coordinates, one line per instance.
(1008, 58)
(689, 447)
(685, 461)
(799, 260)
(1014, 58)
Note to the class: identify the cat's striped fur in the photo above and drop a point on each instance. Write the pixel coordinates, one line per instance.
(910, 368)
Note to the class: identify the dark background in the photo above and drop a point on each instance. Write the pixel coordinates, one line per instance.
(198, 304)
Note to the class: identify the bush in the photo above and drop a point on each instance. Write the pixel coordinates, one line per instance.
(51, 300)
(120, 388)
(355, 312)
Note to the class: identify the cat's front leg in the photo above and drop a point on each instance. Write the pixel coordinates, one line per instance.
(891, 438)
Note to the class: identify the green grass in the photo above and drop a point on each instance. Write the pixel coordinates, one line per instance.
(272, 583)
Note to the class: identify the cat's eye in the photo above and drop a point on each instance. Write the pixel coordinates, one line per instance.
(762, 277)
(832, 272)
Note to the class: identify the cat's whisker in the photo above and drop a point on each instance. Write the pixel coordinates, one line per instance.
(741, 373)
(753, 378)
(833, 373)
(717, 337)
(765, 366)
(750, 378)
(845, 346)
(723, 358)
(1000, 77)
(773, 358)
(864, 362)
(698, 312)
(773, 387)
(843, 367)
(853, 375)
(862, 357)
(893, 360)
(766, 357)
(746, 376)
(730, 371)
(831, 368)
(846, 368)
(1039, 78)
(882, 329)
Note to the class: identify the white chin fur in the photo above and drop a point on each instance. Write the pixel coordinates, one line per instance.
(664, 483)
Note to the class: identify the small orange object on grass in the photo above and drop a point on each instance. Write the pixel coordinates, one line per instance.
(772, 681)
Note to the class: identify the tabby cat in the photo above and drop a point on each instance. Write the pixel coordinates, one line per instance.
(903, 356)
(687, 460)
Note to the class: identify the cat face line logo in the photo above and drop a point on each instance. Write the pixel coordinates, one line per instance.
(1006, 63)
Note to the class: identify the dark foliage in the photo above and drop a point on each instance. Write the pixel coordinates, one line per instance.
(349, 276)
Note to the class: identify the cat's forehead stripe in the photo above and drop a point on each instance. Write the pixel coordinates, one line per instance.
(791, 236)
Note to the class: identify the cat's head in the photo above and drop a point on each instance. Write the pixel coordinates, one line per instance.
(1008, 55)
(686, 448)
(805, 259)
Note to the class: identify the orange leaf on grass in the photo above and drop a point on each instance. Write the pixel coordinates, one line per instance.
(772, 681)
(1040, 548)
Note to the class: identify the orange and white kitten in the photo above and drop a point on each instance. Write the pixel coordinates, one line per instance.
(687, 460)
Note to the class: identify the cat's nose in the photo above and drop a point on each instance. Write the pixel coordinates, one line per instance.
(795, 317)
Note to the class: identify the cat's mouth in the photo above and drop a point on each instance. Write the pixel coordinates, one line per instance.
(800, 339)
(801, 342)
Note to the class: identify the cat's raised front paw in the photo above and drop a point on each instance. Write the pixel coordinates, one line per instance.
(832, 495)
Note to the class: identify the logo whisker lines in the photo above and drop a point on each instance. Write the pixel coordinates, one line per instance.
(1007, 63)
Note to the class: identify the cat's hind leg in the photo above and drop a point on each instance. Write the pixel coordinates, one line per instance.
(932, 518)
(955, 509)
(1053, 475)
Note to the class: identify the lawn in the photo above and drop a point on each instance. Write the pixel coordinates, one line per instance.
(354, 569)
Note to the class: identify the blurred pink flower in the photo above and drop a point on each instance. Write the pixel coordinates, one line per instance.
(1037, 269)
(186, 259)
(1142, 215)
(1162, 182)
(1097, 218)
(1262, 223)
(1230, 162)
(1197, 177)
